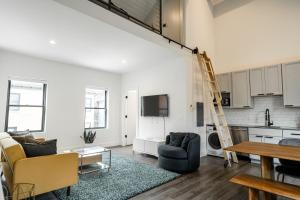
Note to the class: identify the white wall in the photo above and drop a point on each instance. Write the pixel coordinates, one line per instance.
(163, 79)
(259, 33)
(65, 98)
(199, 24)
(200, 32)
(173, 77)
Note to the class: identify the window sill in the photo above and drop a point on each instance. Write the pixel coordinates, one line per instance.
(95, 129)
(38, 134)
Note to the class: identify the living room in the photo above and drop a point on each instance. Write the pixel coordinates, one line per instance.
(98, 71)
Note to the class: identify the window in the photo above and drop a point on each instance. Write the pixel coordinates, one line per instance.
(95, 109)
(15, 100)
(26, 106)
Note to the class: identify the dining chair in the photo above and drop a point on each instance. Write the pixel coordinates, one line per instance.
(288, 167)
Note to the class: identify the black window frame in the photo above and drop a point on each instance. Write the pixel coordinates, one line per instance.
(96, 108)
(43, 106)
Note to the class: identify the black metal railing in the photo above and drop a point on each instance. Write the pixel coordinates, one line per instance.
(146, 13)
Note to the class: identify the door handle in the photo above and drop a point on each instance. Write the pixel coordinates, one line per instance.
(295, 133)
(258, 136)
(269, 137)
(164, 25)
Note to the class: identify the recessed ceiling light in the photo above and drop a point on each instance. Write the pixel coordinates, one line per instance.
(124, 61)
(53, 42)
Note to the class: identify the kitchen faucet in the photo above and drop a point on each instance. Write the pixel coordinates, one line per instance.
(267, 118)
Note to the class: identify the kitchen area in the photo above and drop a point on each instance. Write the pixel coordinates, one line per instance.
(261, 105)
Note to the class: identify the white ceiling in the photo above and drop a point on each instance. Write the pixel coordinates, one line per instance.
(28, 26)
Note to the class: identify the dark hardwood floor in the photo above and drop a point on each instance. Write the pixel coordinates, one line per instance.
(209, 182)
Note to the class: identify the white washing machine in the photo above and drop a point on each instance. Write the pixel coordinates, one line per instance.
(213, 145)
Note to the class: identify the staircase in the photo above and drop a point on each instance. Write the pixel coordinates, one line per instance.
(217, 112)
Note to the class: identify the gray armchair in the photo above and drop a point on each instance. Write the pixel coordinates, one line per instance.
(181, 153)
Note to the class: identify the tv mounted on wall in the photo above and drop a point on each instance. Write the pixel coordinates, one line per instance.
(155, 106)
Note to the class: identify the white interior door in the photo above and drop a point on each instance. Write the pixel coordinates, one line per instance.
(131, 117)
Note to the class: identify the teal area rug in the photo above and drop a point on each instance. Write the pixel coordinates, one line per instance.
(126, 179)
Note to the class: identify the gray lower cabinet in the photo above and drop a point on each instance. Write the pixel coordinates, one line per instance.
(291, 134)
(255, 138)
(266, 81)
(241, 89)
(264, 135)
(224, 81)
(291, 84)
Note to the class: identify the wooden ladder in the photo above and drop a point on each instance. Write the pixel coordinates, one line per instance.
(214, 99)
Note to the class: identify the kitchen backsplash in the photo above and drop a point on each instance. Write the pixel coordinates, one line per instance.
(281, 116)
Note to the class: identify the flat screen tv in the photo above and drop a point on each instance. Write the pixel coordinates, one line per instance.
(155, 106)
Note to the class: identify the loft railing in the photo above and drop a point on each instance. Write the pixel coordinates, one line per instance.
(146, 13)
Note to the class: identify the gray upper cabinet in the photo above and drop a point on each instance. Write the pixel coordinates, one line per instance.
(241, 89)
(291, 84)
(224, 81)
(266, 81)
(257, 81)
(273, 80)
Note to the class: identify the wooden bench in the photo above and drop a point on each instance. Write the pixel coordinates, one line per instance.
(256, 184)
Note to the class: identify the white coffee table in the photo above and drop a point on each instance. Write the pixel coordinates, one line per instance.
(88, 155)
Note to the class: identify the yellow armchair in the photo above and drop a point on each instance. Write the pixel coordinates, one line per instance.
(47, 173)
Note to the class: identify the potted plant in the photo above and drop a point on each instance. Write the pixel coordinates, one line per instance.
(89, 136)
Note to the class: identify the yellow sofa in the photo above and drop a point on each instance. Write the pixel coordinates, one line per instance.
(37, 175)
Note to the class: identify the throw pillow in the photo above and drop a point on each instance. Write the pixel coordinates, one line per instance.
(176, 139)
(168, 139)
(185, 142)
(21, 133)
(43, 149)
(188, 137)
(24, 139)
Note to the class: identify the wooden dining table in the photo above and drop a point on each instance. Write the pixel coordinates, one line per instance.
(267, 152)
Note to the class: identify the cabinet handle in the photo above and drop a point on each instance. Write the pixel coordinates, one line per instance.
(259, 136)
(295, 133)
(289, 105)
(261, 94)
(270, 93)
(269, 137)
(246, 106)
